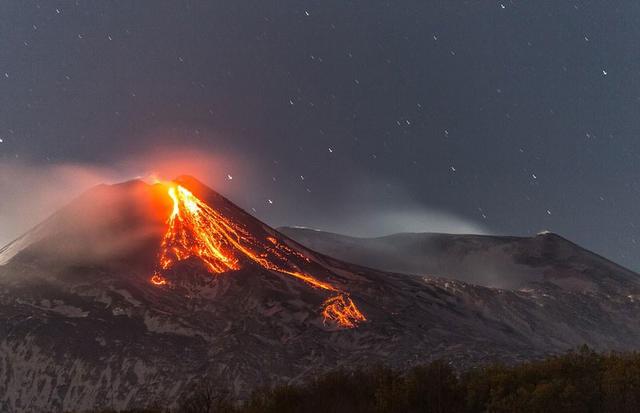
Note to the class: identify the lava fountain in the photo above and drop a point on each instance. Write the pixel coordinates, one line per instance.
(194, 229)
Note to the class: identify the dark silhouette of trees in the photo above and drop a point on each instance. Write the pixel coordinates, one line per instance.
(206, 397)
(578, 381)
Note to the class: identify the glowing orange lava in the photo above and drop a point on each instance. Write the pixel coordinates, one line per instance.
(197, 230)
(342, 310)
(158, 280)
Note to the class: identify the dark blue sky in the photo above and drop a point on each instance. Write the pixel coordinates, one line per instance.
(514, 116)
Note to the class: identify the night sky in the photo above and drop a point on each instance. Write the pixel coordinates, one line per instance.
(362, 117)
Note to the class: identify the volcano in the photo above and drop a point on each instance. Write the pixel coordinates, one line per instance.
(134, 291)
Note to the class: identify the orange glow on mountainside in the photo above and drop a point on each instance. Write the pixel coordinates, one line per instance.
(194, 229)
(343, 311)
(158, 280)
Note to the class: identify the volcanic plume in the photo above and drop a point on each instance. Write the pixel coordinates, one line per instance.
(195, 229)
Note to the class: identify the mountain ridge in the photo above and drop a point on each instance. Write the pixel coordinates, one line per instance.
(83, 327)
(445, 255)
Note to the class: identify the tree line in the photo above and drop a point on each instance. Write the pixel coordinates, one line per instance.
(578, 381)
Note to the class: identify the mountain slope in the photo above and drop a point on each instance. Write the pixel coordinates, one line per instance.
(83, 325)
(492, 261)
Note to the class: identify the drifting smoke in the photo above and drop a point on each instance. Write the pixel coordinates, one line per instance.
(354, 206)
(362, 206)
(390, 219)
(32, 192)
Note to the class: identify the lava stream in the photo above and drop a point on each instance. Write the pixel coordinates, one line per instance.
(194, 229)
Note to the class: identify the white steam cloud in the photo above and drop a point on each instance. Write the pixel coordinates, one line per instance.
(355, 206)
(31, 193)
(390, 220)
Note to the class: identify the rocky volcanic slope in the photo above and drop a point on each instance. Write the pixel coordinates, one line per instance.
(492, 261)
(82, 326)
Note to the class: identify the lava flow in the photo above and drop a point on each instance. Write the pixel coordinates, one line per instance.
(194, 229)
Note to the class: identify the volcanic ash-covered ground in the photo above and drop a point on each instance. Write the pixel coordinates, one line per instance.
(133, 291)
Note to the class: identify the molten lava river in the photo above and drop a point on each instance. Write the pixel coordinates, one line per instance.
(194, 229)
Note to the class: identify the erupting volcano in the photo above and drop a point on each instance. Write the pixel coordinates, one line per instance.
(132, 291)
(195, 229)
